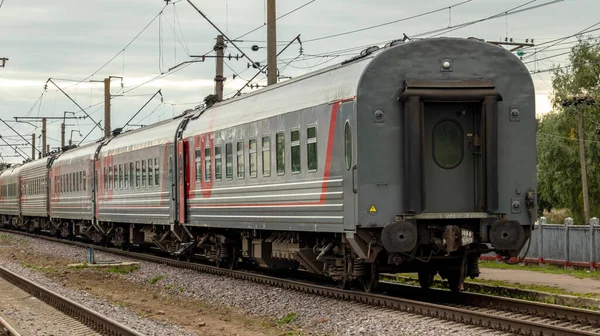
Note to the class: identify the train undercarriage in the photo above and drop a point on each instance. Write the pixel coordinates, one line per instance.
(351, 259)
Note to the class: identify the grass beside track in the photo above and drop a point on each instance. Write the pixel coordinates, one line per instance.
(552, 269)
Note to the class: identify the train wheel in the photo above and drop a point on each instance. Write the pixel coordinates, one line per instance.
(426, 278)
(371, 279)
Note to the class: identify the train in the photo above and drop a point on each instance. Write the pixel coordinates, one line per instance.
(417, 156)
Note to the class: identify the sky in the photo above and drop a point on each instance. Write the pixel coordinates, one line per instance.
(79, 42)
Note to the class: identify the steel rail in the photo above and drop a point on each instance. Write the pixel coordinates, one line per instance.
(92, 319)
(516, 316)
(6, 329)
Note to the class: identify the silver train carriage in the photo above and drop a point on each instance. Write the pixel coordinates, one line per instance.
(416, 157)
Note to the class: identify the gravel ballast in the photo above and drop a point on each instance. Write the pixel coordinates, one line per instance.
(313, 314)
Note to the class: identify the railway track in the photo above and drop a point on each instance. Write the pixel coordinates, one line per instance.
(490, 312)
(62, 312)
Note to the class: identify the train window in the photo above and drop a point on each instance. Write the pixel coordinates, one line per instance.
(280, 153)
(218, 163)
(229, 160)
(126, 176)
(156, 173)
(266, 156)
(137, 174)
(150, 173)
(131, 175)
(348, 145)
(448, 146)
(171, 169)
(240, 159)
(78, 179)
(295, 151)
(207, 168)
(120, 176)
(110, 178)
(84, 181)
(105, 178)
(311, 148)
(198, 165)
(252, 157)
(143, 173)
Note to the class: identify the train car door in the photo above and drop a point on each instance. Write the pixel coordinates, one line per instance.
(182, 149)
(451, 148)
(346, 128)
(171, 183)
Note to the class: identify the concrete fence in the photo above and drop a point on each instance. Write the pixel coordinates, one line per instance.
(563, 244)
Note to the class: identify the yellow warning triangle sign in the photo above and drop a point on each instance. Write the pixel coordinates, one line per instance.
(372, 209)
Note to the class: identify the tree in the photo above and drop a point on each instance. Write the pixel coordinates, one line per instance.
(2, 166)
(559, 173)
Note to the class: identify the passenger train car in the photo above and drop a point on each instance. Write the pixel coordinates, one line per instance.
(415, 157)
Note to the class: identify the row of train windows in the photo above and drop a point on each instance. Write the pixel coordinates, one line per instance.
(35, 186)
(71, 182)
(8, 190)
(132, 175)
(311, 154)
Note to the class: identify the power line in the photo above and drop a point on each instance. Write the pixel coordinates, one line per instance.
(122, 50)
(387, 23)
(162, 75)
(586, 30)
(512, 11)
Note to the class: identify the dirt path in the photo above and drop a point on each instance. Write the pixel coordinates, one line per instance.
(564, 281)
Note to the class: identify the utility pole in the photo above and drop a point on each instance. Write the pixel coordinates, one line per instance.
(219, 79)
(33, 146)
(107, 107)
(62, 135)
(578, 102)
(271, 43)
(44, 152)
(106, 81)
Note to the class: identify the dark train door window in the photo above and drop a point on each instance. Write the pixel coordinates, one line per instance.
(143, 173)
(115, 177)
(252, 157)
(229, 160)
(280, 153)
(348, 145)
(150, 173)
(295, 151)
(266, 156)
(156, 173)
(207, 167)
(131, 175)
(120, 176)
(240, 159)
(137, 174)
(198, 165)
(448, 144)
(218, 163)
(84, 181)
(311, 148)
(126, 176)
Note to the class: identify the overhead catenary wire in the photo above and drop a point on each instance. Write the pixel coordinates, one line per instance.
(387, 23)
(122, 50)
(160, 76)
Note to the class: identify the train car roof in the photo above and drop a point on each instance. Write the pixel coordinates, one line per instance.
(148, 136)
(84, 152)
(35, 164)
(324, 86)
